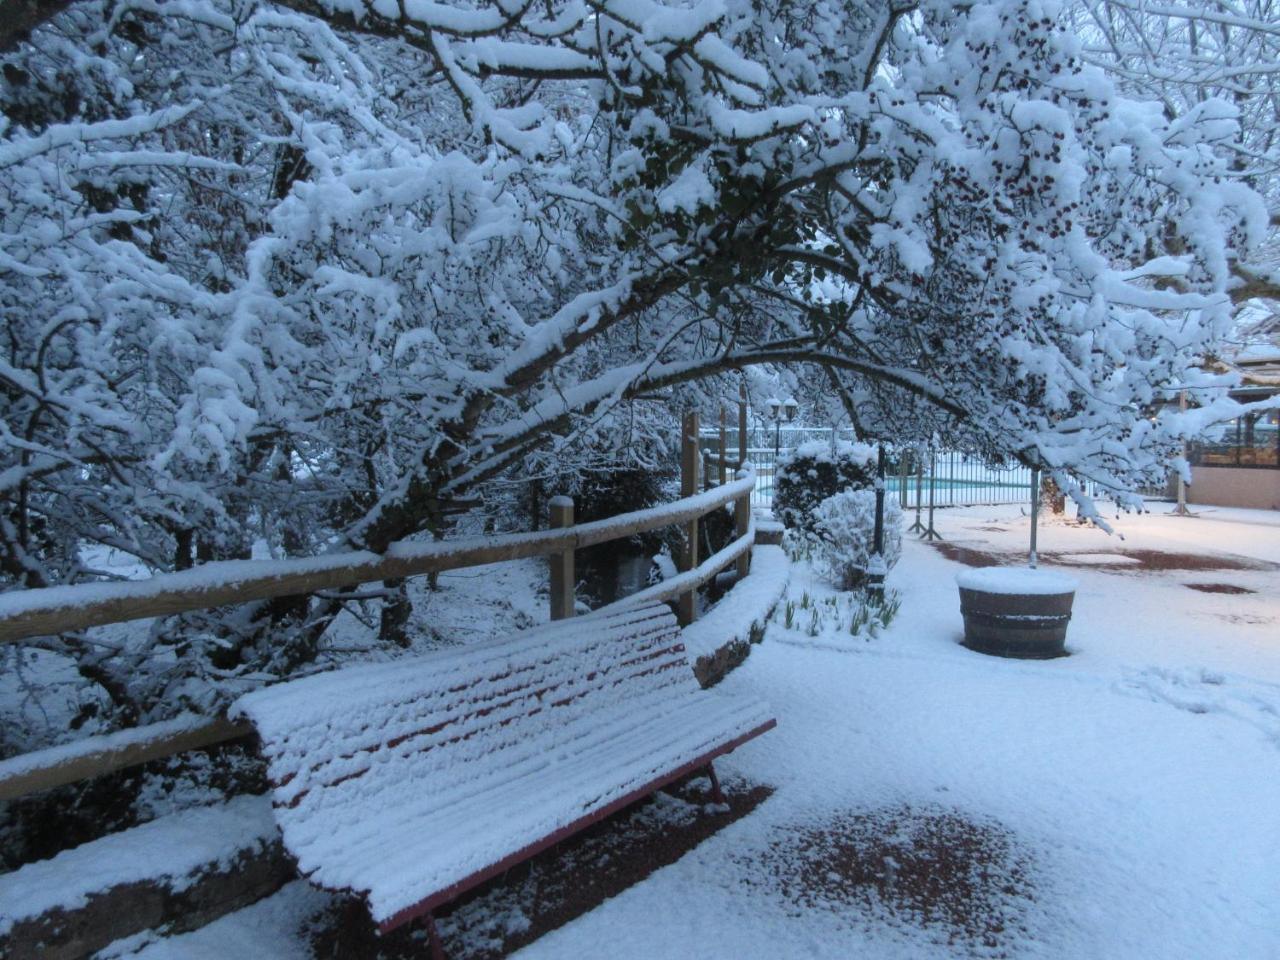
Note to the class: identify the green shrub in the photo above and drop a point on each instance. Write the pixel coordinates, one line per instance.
(811, 474)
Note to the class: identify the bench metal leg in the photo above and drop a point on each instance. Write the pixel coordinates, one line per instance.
(716, 795)
(433, 937)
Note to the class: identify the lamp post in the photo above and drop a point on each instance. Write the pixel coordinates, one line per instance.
(780, 412)
(876, 568)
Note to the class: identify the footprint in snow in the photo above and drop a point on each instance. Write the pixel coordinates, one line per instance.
(1202, 691)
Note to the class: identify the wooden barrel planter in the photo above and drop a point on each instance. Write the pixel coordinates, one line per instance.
(1015, 611)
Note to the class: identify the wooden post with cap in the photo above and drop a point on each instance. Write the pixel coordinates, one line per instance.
(687, 603)
(742, 507)
(741, 524)
(562, 575)
(724, 445)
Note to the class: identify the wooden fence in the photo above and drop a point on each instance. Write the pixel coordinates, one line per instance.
(30, 613)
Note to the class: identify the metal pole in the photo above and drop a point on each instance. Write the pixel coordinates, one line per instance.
(879, 535)
(918, 527)
(876, 568)
(1035, 512)
(930, 532)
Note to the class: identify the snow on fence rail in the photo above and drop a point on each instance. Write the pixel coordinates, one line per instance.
(30, 613)
(51, 610)
(93, 756)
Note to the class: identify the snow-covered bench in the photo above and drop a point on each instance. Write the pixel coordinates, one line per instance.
(411, 782)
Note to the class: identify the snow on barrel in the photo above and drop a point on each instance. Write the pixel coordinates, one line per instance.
(1016, 611)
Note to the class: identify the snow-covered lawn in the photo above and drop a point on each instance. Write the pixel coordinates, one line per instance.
(1137, 781)
(1120, 802)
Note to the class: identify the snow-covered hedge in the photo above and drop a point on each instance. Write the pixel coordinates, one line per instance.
(844, 534)
(811, 473)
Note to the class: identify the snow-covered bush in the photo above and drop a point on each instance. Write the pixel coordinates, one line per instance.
(374, 264)
(811, 473)
(843, 535)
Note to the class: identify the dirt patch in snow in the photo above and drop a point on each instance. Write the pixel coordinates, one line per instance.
(1094, 559)
(971, 557)
(1218, 588)
(1126, 561)
(1160, 560)
(552, 888)
(964, 881)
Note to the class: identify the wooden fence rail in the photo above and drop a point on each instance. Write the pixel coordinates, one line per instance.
(95, 756)
(54, 610)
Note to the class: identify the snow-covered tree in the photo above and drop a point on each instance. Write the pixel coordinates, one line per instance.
(1184, 55)
(321, 273)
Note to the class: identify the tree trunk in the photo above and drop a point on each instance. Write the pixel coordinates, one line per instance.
(396, 610)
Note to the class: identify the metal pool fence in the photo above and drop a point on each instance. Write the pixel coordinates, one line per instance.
(957, 479)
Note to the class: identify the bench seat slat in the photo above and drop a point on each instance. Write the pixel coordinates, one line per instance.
(409, 781)
(344, 816)
(400, 860)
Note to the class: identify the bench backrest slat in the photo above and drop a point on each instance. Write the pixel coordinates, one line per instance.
(446, 731)
(455, 711)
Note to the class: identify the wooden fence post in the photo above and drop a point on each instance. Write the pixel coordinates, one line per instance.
(707, 477)
(741, 523)
(742, 508)
(562, 575)
(724, 446)
(690, 457)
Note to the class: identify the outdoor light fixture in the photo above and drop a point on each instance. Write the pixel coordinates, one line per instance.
(780, 412)
(877, 569)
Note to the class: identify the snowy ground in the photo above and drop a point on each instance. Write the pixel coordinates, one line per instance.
(1132, 786)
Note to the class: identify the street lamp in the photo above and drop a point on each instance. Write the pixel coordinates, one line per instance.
(780, 412)
(877, 569)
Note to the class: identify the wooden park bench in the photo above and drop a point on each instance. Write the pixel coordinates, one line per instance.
(409, 783)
